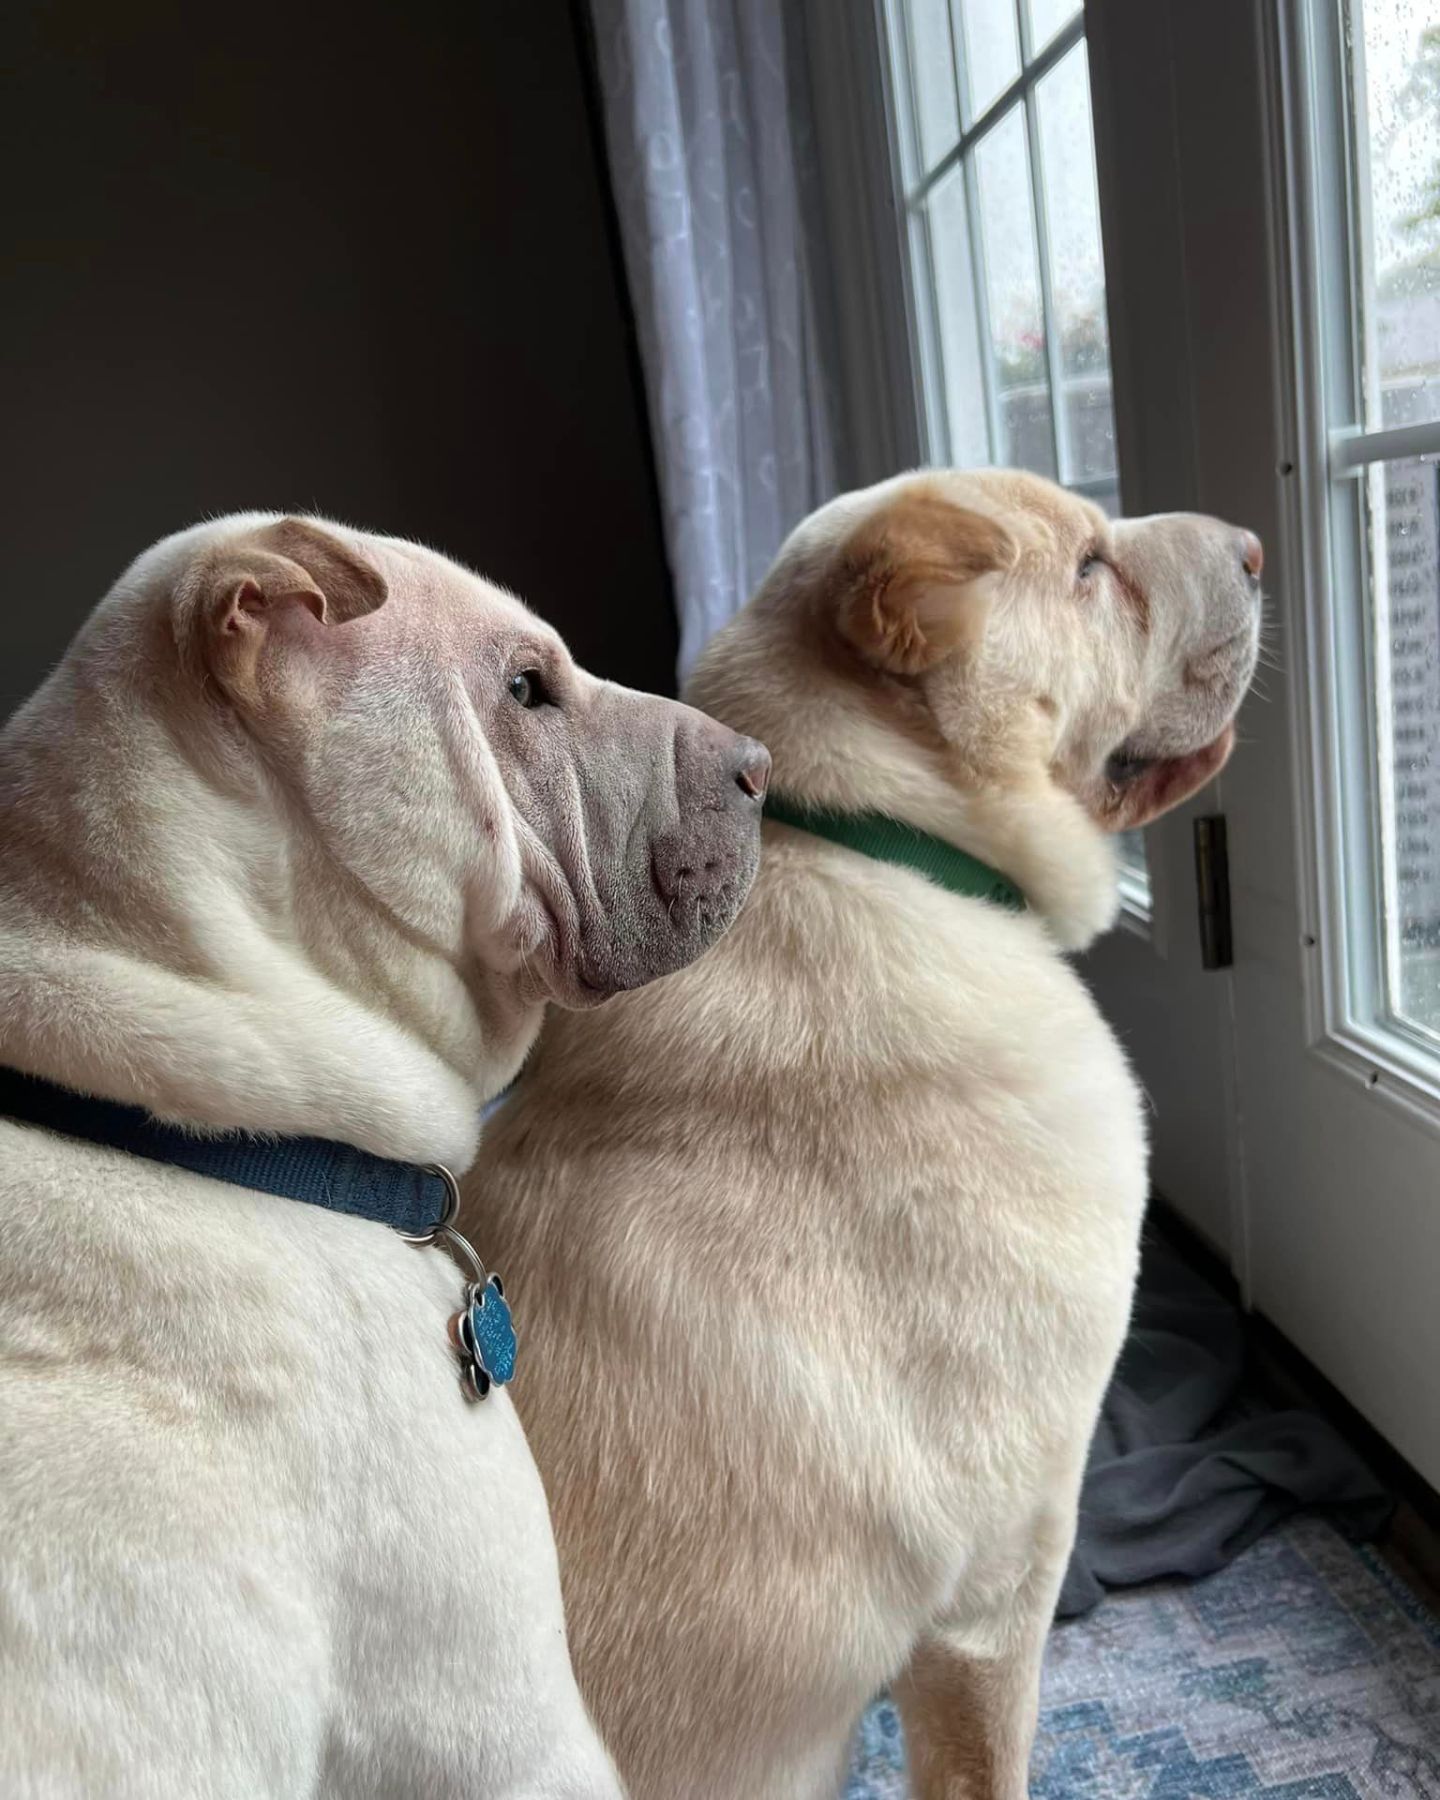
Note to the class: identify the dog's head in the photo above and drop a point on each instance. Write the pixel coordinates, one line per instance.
(436, 754)
(1003, 664)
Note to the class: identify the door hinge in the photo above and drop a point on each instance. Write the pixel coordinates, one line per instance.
(1212, 891)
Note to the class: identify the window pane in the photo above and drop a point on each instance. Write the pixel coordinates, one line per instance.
(1046, 18)
(957, 325)
(989, 48)
(1400, 99)
(1012, 285)
(1077, 273)
(937, 118)
(1406, 558)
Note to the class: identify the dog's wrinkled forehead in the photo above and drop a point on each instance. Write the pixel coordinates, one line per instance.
(451, 596)
(1007, 557)
(237, 589)
(1048, 522)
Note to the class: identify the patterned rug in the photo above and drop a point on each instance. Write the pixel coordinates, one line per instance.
(1304, 1671)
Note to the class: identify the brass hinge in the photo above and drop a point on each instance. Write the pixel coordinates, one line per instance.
(1212, 889)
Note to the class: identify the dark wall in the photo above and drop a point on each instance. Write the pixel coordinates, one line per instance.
(355, 261)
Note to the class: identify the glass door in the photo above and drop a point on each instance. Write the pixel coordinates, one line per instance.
(1365, 172)
(1266, 185)
(1338, 1061)
(998, 190)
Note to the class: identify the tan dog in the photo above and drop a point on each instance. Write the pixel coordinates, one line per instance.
(299, 839)
(827, 1243)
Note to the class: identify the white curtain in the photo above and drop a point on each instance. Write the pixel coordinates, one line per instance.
(706, 134)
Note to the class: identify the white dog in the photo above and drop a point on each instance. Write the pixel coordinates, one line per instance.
(298, 840)
(829, 1241)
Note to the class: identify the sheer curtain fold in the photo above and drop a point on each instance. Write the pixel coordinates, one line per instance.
(707, 139)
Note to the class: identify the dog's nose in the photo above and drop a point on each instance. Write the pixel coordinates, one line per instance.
(1252, 554)
(753, 775)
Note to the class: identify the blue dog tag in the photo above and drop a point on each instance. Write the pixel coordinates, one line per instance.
(487, 1336)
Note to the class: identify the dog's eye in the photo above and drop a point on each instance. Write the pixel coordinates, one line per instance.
(1090, 564)
(528, 688)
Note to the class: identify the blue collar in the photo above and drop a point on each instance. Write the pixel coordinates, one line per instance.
(414, 1200)
(418, 1202)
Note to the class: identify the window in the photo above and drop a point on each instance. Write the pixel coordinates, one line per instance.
(1007, 281)
(1003, 231)
(1374, 187)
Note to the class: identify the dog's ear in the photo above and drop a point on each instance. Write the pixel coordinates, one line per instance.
(293, 561)
(234, 600)
(915, 578)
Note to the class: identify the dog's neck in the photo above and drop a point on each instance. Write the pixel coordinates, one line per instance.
(833, 747)
(166, 940)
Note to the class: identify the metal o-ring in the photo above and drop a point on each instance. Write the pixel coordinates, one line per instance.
(452, 1206)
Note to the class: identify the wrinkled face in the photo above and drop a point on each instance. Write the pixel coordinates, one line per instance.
(443, 752)
(1114, 652)
(637, 819)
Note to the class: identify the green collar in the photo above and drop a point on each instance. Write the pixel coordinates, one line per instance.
(888, 840)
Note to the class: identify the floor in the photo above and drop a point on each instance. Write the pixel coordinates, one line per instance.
(1306, 1670)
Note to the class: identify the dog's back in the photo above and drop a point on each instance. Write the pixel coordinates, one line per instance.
(826, 1244)
(823, 1245)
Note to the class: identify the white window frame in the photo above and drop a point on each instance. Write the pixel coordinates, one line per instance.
(917, 184)
(1315, 211)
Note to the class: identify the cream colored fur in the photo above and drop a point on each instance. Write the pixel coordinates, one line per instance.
(826, 1244)
(287, 844)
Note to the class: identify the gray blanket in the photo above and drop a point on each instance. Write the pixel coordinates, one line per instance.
(1189, 1464)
